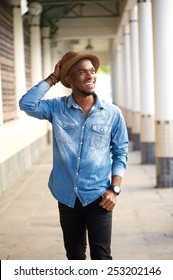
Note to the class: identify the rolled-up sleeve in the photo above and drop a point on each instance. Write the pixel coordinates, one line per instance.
(119, 147)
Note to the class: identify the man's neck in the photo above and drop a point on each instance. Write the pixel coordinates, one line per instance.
(85, 102)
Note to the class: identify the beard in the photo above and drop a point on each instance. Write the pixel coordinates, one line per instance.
(88, 93)
(82, 91)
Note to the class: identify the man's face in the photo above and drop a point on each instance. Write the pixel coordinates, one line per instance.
(82, 77)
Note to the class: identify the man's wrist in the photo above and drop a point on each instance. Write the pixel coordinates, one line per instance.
(54, 78)
(115, 189)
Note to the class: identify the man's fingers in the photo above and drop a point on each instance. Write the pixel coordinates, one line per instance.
(108, 202)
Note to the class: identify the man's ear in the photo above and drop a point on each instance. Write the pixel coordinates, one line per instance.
(68, 80)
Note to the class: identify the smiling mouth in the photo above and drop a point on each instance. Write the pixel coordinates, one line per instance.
(89, 84)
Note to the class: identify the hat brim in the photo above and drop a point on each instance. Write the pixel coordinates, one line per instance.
(68, 65)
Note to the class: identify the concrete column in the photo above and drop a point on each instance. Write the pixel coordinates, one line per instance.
(147, 136)
(117, 102)
(55, 57)
(119, 85)
(113, 69)
(1, 106)
(47, 60)
(36, 54)
(122, 92)
(47, 67)
(163, 62)
(127, 78)
(135, 78)
(19, 53)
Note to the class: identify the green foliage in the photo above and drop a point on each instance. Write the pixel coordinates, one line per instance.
(104, 70)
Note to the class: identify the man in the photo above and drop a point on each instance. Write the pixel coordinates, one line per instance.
(87, 131)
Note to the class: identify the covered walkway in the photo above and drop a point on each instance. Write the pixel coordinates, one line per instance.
(142, 223)
(134, 45)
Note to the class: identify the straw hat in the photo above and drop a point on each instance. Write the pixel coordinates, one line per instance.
(70, 58)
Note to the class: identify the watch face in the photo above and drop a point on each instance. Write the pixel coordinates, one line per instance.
(117, 189)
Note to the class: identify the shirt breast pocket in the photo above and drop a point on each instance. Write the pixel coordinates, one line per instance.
(64, 131)
(100, 136)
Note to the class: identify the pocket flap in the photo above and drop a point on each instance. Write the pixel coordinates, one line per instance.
(101, 128)
(66, 124)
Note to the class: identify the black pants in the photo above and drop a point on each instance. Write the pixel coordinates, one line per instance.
(75, 221)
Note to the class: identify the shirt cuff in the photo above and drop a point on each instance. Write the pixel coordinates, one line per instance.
(118, 171)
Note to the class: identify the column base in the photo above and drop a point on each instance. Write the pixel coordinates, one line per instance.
(164, 178)
(147, 153)
(129, 131)
(136, 142)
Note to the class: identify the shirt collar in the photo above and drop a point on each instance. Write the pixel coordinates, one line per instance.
(71, 102)
(98, 105)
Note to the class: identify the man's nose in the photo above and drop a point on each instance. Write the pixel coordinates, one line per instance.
(90, 74)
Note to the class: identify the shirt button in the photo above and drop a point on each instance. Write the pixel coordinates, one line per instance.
(78, 157)
(77, 173)
(81, 143)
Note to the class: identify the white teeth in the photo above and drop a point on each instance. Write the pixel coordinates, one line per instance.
(88, 83)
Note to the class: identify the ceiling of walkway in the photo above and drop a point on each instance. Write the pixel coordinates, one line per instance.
(82, 21)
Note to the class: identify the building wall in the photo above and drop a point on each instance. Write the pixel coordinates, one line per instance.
(27, 42)
(22, 139)
(7, 61)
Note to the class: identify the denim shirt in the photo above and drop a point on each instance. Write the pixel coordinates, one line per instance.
(85, 151)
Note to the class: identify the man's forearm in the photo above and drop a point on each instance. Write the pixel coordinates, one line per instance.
(32, 96)
(116, 180)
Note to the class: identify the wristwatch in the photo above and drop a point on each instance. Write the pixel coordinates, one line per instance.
(116, 189)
